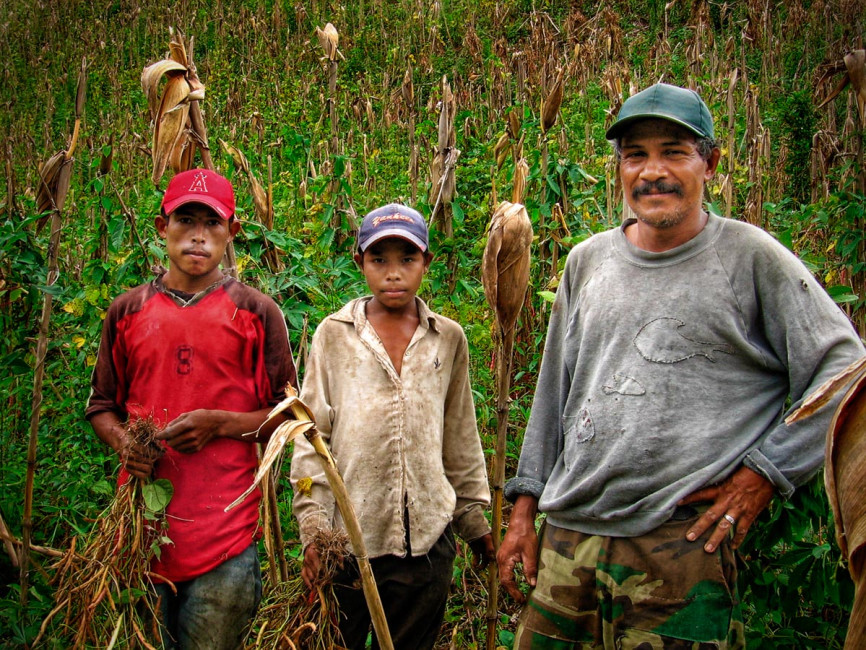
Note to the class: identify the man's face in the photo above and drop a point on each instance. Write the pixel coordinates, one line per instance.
(663, 174)
(195, 240)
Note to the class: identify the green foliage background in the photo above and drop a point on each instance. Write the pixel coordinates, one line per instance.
(787, 165)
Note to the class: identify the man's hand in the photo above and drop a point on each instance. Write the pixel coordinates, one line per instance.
(138, 459)
(741, 497)
(520, 546)
(482, 551)
(312, 566)
(191, 431)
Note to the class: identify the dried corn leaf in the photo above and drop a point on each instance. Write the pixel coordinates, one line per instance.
(328, 39)
(176, 49)
(151, 77)
(825, 392)
(843, 476)
(183, 155)
(505, 264)
(260, 198)
(447, 135)
(284, 434)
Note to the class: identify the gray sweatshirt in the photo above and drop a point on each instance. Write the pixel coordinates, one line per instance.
(665, 372)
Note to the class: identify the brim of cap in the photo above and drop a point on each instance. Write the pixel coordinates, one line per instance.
(393, 232)
(218, 206)
(614, 131)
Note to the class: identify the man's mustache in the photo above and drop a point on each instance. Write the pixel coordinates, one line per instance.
(656, 186)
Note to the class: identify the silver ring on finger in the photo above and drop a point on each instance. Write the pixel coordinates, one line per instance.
(730, 519)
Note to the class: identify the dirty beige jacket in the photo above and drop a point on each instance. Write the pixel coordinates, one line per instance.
(397, 439)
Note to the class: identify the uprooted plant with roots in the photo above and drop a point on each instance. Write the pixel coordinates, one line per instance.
(104, 586)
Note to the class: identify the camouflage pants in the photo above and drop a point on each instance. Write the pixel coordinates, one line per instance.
(655, 592)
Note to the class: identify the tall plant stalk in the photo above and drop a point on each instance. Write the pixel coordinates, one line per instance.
(505, 275)
(303, 423)
(55, 176)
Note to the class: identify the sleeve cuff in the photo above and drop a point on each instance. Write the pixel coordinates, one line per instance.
(520, 485)
(309, 525)
(472, 524)
(757, 462)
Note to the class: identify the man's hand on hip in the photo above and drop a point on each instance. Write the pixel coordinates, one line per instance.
(736, 503)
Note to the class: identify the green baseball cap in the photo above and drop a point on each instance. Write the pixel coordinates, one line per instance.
(679, 105)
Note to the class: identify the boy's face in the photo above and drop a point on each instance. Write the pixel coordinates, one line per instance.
(195, 240)
(394, 268)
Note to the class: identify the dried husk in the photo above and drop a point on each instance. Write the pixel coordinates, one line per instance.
(521, 173)
(176, 49)
(856, 63)
(825, 392)
(55, 177)
(408, 88)
(551, 106)
(81, 92)
(170, 123)
(514, 124)
(843, 477)
(282, 435)
(501, 149)
(505, 264)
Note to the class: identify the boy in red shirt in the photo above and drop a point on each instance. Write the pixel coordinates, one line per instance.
(206, 357)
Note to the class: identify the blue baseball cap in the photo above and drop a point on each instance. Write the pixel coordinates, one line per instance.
(393, 220)
(679, 105)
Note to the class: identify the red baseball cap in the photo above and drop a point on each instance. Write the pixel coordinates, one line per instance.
(200, 186)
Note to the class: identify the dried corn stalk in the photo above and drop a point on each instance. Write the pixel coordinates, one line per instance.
(549, 111)
(263, 203)
(407, 90)
(505, 275)
(53, 187)
(442, 175)
(304, 423)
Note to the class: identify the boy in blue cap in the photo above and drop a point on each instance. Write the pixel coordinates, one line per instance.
(388, 382)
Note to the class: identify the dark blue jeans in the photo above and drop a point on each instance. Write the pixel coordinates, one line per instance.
(214, 610)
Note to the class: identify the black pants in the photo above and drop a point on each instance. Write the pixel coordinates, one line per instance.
(413, 590)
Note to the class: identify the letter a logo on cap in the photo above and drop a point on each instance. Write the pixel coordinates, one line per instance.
(198, 183)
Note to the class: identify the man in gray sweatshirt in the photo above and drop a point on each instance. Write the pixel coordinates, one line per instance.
(657, 436)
